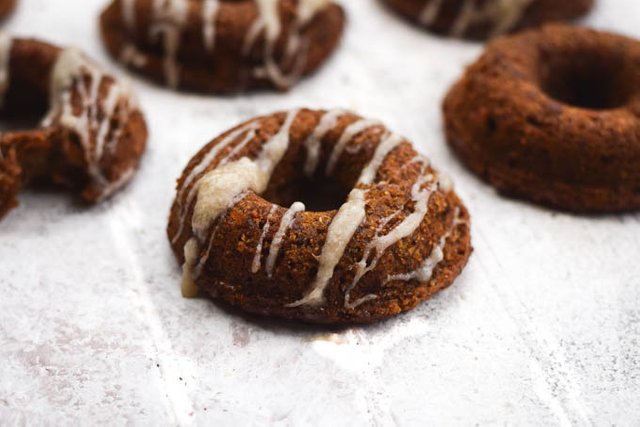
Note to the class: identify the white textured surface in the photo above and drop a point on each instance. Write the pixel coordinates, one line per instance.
(543, 327)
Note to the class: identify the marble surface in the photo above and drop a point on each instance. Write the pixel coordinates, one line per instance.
(543, 327)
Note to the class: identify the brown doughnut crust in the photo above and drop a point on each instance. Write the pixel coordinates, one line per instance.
(446, 16)
(90, 143)
(232, 269)
(553, 116)
(217, 55)
(6, 7)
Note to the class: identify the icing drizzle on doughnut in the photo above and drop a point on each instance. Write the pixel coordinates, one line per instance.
(349, 133)
(285, 224)
(312, 144)
(502, 14)
(219, 189)
(344, 225)
(209, 14)
(424, 272)
(103, 101)
(169, 18)
(231, 180)
(5, 56)
(255, 265)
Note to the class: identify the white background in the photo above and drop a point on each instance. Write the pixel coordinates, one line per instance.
(543, 327)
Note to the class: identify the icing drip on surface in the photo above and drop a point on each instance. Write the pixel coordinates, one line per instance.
(209, 14)
(93, 124)
(349, 133)
(424, 273)
(285, 224)
(255, 265)
(344, 225)
(313, 143)
(219, 189)
(169, 18)
(5, 57)
(503, 15)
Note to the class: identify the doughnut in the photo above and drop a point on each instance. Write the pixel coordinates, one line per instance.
(383, 232)
(553, 116)
(92, 135)
(6, 7)
(222, 46)
(482, 19)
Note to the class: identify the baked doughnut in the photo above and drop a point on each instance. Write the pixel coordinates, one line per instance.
(401, 235)
(553, 116)
(481, 19)
(93, 133)
(6, 7)
(223, 45)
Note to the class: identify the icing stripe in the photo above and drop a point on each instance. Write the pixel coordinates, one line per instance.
(94, 126)
(198, 169)
(209, 14)
(313, 143)
(344, 225)
(5, 58)
(341, 230)
(424, 273)
(219, 189)
(387, 145)
(503, 15)
(129, 14)
(349, 133)
(255, 265)
(285, 224)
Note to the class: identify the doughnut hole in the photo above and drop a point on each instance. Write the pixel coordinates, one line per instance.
(590, 78)
(319, 193)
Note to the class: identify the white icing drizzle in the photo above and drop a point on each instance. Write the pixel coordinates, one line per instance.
(268, 20)
(93, 125)
(169, 18)
(420, 195)
(503, 15)
(312, 144)
(255, 265)
(219, 189)
(130, 55)
(341, 230)
(349, 133)
(424, 272)
(199, 168)
(129, 14)
(345, 223)
(209, 15)
(285, 224)
(5, 57)
(430, 12)
(388, 144)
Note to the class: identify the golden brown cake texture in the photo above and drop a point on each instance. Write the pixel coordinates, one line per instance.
(223, 46)
(92, 135)
(553, 116)
(244, 237)
(481, 19)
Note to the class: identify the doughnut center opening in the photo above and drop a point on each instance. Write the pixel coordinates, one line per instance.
(585, 79)
(318, 194)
